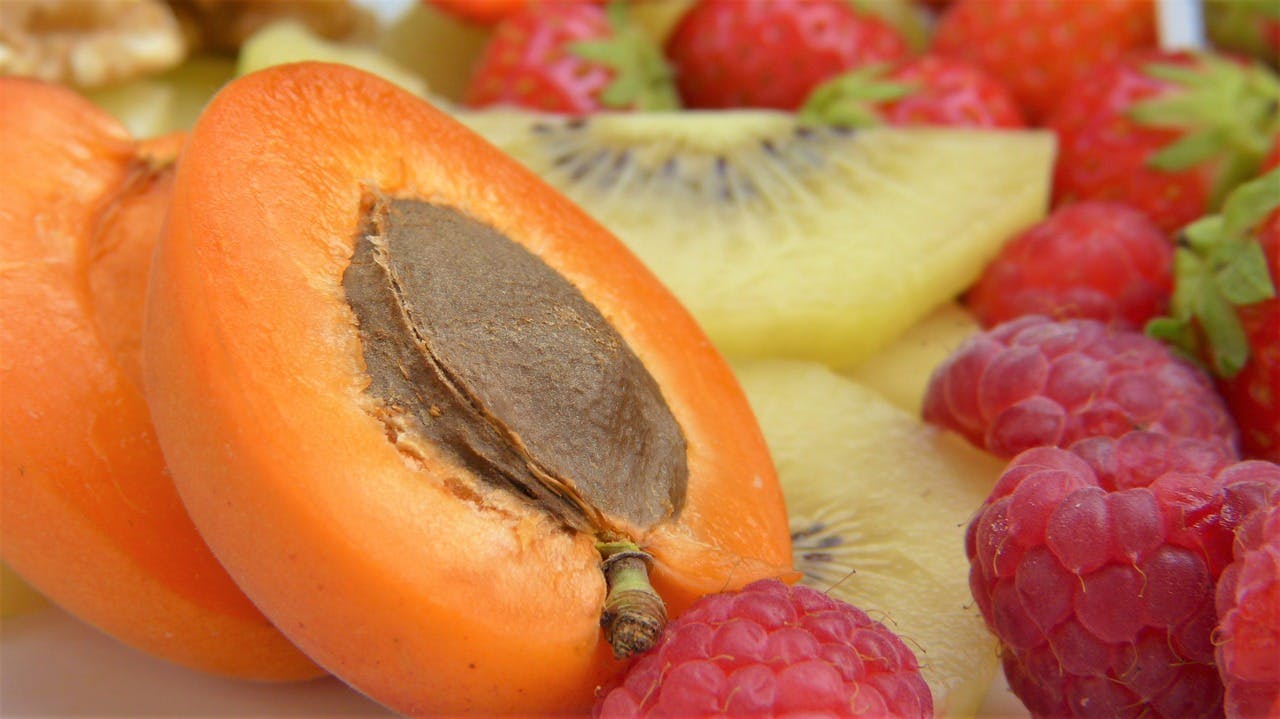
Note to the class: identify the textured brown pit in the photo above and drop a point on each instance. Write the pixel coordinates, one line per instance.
(497, 359)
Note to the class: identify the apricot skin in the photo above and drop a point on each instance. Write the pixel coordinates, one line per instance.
(90, 516)
(420, 585)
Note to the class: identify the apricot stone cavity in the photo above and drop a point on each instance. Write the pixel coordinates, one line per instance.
(500, 361)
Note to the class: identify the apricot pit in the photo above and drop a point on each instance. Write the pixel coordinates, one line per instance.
(479, 347)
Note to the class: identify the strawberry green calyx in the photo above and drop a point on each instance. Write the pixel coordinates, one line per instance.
(642, 78)
(1218, 267)
(850, 99)
(1225, 110)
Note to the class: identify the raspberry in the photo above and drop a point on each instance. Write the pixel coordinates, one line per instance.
(1101, 260)
(772, 650)
(1248, 601)
(1096, 567)
(1034, 382)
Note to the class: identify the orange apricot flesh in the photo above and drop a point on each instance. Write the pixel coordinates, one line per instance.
(425, 587)
(90, 516)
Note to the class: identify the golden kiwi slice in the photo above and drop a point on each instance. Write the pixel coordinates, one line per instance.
(789, 240)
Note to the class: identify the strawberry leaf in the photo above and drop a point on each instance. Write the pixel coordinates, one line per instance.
(1189, 151)
(642, 79)
(1179, 334)
(1219, 265)
(851, 99)
(1241, 276)
(1228, 344)
(1228, 113)
(1203, 234)
(1251, 203)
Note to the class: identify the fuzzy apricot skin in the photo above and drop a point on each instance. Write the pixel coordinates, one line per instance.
(90, 516)
(412, 580)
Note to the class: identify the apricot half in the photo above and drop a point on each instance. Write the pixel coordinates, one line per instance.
(407, 391)
(90, 516)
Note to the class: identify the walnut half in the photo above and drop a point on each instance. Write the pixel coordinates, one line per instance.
(88, 43)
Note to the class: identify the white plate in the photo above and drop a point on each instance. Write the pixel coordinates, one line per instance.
(52, 665)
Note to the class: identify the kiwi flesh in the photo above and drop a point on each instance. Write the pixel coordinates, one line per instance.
(784, 239)
(878, 503)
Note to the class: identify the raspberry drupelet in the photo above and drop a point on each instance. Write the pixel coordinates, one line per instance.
(1096, 567)
(772, 650)
(1247, 638)
(1034, 382)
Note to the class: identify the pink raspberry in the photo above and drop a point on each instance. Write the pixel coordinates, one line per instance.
(772, 650)
(1034, 382)
(1096, 568)
(1248, 600)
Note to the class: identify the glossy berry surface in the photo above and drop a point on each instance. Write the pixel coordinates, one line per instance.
(1248, 601)
(1098, 260)
(1034, 382)
(1125, 133)
(951, 92)
(772, 650)
(772, 53)
(1096, 568)
(569, 57)
(931, 90)
(1038, 49)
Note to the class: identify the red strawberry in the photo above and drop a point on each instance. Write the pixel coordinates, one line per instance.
(1096, 568)
(1040, 48)
(1167, 132)
(772, 53)
(1035, 382)
(772, 650)
(929, 90)
(1248, 601)
(571, 56)
(1100, 260)
(1225, 307)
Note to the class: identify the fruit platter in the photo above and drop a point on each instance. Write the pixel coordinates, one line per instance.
(640, 358)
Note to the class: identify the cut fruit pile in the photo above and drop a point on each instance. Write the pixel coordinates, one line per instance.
(503, 359)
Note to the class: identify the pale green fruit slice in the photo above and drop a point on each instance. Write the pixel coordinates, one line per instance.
(784, 240)
(439, 47)
(901, 371)
(878, 503)
(166, 102)
(286, 41)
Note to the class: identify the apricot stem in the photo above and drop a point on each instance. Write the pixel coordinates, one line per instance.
(634, 615)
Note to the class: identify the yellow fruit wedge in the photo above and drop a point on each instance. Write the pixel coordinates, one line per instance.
(878, 503)
(901, 371)
(786, 240)
(285, 41)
